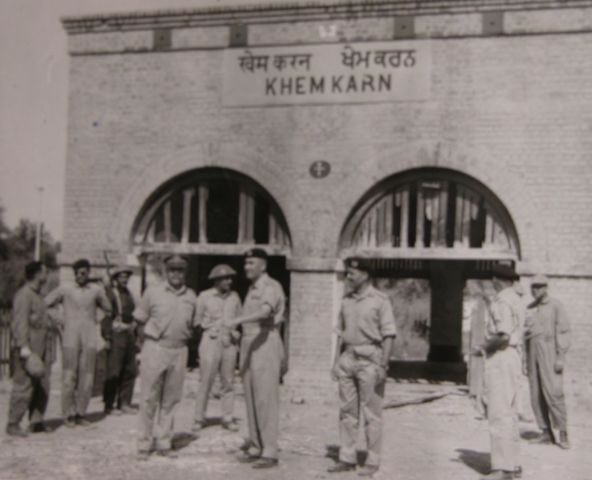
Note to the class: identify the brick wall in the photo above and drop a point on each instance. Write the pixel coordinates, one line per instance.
(512, 111)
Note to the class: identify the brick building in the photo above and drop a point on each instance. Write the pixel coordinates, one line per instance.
(436, 137)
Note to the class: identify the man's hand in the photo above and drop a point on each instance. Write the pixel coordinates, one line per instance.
(381, 376)
(478, 352)
(25, 352)
(335, 372)
(119, 326)
(525, 369)
(107, 344)
(559, 365)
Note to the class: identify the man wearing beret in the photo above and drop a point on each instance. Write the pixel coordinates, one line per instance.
(79, 340)
(167, 313)
(261, 358)
(218, 346)
(365, 334)
(118, 329)
(33, 353)
(501, 350)
(547, 343)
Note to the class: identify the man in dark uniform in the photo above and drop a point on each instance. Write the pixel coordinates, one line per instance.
(548, 340)
(118, 329)
(261, 356)
(366, 331)
(33, 351)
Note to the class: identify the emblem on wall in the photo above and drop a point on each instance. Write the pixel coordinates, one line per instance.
(320, 169)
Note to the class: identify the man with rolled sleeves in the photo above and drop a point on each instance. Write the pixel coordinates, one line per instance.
(501, 350)
(33, 352)
(218, 346)
(119, 330)
(79, 340)
(167, 313)
(261, 355)
(547, 343)
(365, 334)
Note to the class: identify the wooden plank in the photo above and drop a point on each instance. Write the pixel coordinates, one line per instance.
(435, 203)
(436, 253)
(206, 248)
(250, 226)
(420, 219)
(167, 222)
(388, 220)
(203, 200)
(273, 230)
(242, 216)
(372, 227)
(466, 223)
(404, 216)
(187, 196)
(151, 230)
(489, 235)
(458, 211)
(443, 214)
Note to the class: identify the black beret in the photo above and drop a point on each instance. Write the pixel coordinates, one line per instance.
(359, 263)
(504, 271)
(256, 253)
(82, 263)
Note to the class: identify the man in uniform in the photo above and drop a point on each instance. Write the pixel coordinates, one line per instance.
(79, 340)
(366, 331)
(548, 340)
(119, 330)
(218, 346)
(167, 313)
(262, 353)
(33, 342)
(502, 375)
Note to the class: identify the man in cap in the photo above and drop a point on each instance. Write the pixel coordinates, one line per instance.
(261, 358)
(502, 374)
(547, 341)
(365, 334)
(218, 346)
(79, 340)
(33, 351)
(118, 329)
(167, 313)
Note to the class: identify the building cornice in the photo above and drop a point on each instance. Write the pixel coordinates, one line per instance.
(303, 11)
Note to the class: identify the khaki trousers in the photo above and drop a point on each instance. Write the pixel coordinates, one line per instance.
(162, 372)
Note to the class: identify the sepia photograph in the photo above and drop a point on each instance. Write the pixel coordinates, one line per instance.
(295, 239)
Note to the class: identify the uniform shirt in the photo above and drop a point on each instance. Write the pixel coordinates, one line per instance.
(168, 314)
(29, 320)
(548, 320)
(264, 291)
(366, 318)
(506, 316)
(80, 302)
(213, 307)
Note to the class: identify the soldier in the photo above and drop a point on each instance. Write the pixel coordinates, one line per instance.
(33, 351)
(366, 331)
(502, 374)
(167, 313)
(119, 330)
(79, 340)
(218, 346)
(548, 340)
(261, 359)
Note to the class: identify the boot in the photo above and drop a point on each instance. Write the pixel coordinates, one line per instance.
(544, 438)
(563, 440)
(499, 475)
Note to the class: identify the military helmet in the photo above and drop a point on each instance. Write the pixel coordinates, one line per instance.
(221, 271)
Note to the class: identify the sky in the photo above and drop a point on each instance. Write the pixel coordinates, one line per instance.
(34, 99)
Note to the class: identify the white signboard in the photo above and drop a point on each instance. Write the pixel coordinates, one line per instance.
(334, 73)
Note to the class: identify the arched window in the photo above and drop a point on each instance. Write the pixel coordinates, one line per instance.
(211, 210)
(435, 213)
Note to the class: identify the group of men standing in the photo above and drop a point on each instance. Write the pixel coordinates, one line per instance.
(168, 312)
(534, 341)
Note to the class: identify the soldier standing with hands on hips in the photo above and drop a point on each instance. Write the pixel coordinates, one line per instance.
(218, 346)
(366, 331)
(261, 358)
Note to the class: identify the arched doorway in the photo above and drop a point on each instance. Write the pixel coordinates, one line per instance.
(211, 216)
(438, 225)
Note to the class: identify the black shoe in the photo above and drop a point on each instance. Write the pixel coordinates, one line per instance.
(245, 457)
(499, 475)
(563, 440)
(340, 467)
(265, 462)
(80, 420)
(231, 426)
(16, 431)
(544, 438)
(70, 422)
(167, 454)
(518, 472)
(40, 427)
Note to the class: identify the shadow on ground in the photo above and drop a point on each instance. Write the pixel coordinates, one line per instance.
(478, 461)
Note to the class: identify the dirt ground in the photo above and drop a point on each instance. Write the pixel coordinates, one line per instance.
(441, 439)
